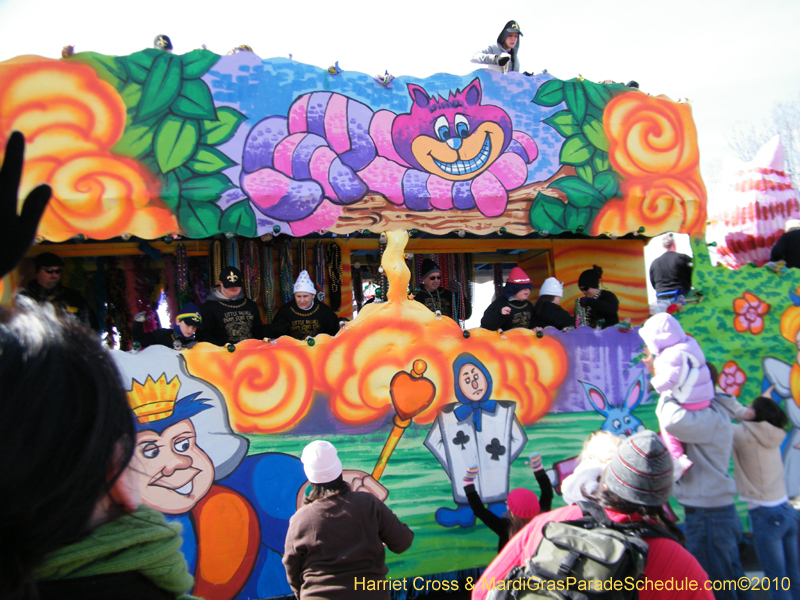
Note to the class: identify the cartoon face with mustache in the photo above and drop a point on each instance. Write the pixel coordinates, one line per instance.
(174, 473)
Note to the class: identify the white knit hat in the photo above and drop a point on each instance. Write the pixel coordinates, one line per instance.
(321, 461)
(304, 284)
(552, 287)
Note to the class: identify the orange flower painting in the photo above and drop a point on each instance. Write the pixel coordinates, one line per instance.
(71, 119)
(653, 147)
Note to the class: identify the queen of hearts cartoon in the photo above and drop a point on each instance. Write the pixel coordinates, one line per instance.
(476, 430)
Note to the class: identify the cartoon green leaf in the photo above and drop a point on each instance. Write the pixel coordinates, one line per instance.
(161, 87)
(547, 213)
(586, 173)
(575, 151)
(575, 98)
(240, 219)
(597, 93)
(197, 63)
(170, 191)
(209, 160)
(194, 101)
(136, 140)
(600, 161)
(579, 193)
(108, 68)
(131, 94)
(577, 217)
(208, 188)
(175, 142)
(564, 123)
(199, 219)
(138, 65)
(593, 130)
(607, 183)
(184, 173)
(220, 131)
(550, 93)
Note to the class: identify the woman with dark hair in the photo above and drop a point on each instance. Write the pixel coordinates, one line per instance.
(546, 311)
(72, 526)
(597, 308)
(335, 543)
(636, 484)
(759, 475)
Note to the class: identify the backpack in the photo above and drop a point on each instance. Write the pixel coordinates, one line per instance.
(591, 557)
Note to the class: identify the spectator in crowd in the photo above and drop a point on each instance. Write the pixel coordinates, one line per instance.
(502, 56)
(758, 471)
(523, 504)
(228, 316)
(597, 308)
(181, 336)
(511, 310)
(72, 525)
(47, 287)
(636, 485)
(337, 538)
(787, 248)
(546, 311)
(671, 273)
(432, 294)
(597, 452)
(305, 316)
(706, 491)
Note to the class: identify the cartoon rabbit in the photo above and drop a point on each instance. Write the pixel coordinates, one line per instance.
(619, 419)
(777, 384)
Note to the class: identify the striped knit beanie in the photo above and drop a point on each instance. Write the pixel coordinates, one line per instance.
(641, 471)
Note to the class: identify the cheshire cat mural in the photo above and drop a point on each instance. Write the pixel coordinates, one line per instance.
(154, 143)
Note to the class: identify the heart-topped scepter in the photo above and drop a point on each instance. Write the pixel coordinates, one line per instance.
(411, 394)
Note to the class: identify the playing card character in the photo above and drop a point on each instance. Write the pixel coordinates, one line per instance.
(476, 430)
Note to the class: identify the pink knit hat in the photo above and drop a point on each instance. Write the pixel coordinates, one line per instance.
(523, 503)
(517, 275)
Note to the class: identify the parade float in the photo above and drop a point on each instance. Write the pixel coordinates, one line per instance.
(164, 168)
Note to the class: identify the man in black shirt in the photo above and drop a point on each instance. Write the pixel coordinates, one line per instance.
(46, 287)
(228, 316)
(787, 248)
(671, 273)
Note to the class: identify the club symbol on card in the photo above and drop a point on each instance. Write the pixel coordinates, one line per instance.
(461, 439)
(496, 449)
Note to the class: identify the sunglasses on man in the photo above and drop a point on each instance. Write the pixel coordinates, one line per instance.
(434, 277)
(53, 271)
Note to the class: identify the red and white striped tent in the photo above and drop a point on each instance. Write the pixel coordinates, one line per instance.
(749, 216)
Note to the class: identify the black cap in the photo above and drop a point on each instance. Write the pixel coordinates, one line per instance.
(230, 277)
(512, 27)
(162, 42)
(47, 259)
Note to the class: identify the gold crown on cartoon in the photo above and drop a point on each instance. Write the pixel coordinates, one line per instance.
(154, 400)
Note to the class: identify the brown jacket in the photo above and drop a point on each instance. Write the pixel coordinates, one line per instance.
(334, 547)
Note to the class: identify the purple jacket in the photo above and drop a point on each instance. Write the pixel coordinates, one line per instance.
(680, 364)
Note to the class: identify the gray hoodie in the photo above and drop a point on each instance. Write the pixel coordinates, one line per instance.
(707, 437)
